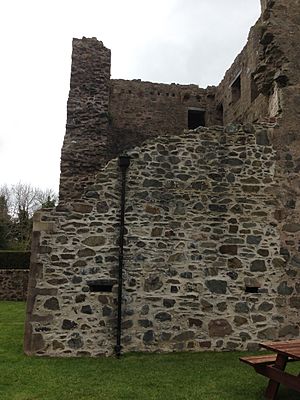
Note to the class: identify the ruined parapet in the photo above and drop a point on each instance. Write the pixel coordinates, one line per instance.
(85, 143)
(262, 82)
(141, 110)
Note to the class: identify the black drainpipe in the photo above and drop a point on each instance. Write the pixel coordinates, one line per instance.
(124, 162)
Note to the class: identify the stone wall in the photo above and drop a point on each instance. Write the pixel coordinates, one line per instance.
(203, 268)
(13, 284)
(271, 58)
(239, 93)
(107, 116)
(261, 83)
(212, 218)
(85, 143)
(141, 110)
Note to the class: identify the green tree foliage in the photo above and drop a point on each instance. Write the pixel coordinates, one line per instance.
(49, 203)
(17, 206)
(5, 223)
(23, 228)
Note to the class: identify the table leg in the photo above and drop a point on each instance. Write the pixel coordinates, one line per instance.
(273, 386)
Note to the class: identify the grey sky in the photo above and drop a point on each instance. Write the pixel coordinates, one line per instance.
(182, 41)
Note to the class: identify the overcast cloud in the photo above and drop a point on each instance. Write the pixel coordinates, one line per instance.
(182, 41)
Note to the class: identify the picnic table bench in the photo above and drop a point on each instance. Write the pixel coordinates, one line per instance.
(273, 365)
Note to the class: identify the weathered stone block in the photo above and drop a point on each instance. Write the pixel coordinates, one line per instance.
(184, 336)
(268, 334)
(217, 286)
(219, 328)
(68, 324)
(94, 241)
(194, 322)
(37, 342)
(262, 138)
(229, 249)
(295, 302)
(242, 307)
(163, 316)
(102, 207)
(234, 263)
(265, 306)
(76, 341)
(289, 330)
(169, 303)
(258, 266)
(238, 320)
(86, 253)
(148, 337)
(86, 309)
(152, 283)
(51, 304)
(284, 289)
(82, 208)
(291, 227)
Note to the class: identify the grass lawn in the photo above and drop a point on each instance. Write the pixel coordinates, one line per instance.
(202, 376)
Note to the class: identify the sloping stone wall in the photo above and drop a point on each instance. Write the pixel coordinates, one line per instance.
(200, 239)
(13, 284)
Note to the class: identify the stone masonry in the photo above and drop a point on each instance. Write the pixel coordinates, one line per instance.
(212, 231)
(13, 284)
(201, 237)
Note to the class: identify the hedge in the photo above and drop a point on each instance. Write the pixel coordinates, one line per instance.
(14, 259)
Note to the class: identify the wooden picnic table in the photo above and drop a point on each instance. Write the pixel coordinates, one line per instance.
(273, 366)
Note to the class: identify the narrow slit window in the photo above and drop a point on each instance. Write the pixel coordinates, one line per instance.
(254, 89)
(251, 289)
(100, 285)
(236, 89)
(196, 118)
(220, 114)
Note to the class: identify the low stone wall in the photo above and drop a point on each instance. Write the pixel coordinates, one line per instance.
(13, 284)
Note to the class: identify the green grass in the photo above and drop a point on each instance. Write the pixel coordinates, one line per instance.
(182, 376)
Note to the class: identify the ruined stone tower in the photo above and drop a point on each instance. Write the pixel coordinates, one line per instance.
(202, 213)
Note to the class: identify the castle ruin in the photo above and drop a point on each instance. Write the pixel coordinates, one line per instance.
(178, 223)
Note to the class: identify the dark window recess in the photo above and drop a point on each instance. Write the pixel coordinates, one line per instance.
(236, 89)
(101, 285)
(220, 113)
(251, 289)
(196, 118)
(254, 89)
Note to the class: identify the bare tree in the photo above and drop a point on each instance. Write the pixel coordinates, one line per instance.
(6, 196)
(46, 198)
(5, 223)
(22, 197)
(21, 201)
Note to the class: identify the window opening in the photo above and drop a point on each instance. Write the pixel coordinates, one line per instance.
(220, 114)
(196, 118)
(254, 89)
(101, 285)
(251, 289)
(236, 89)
